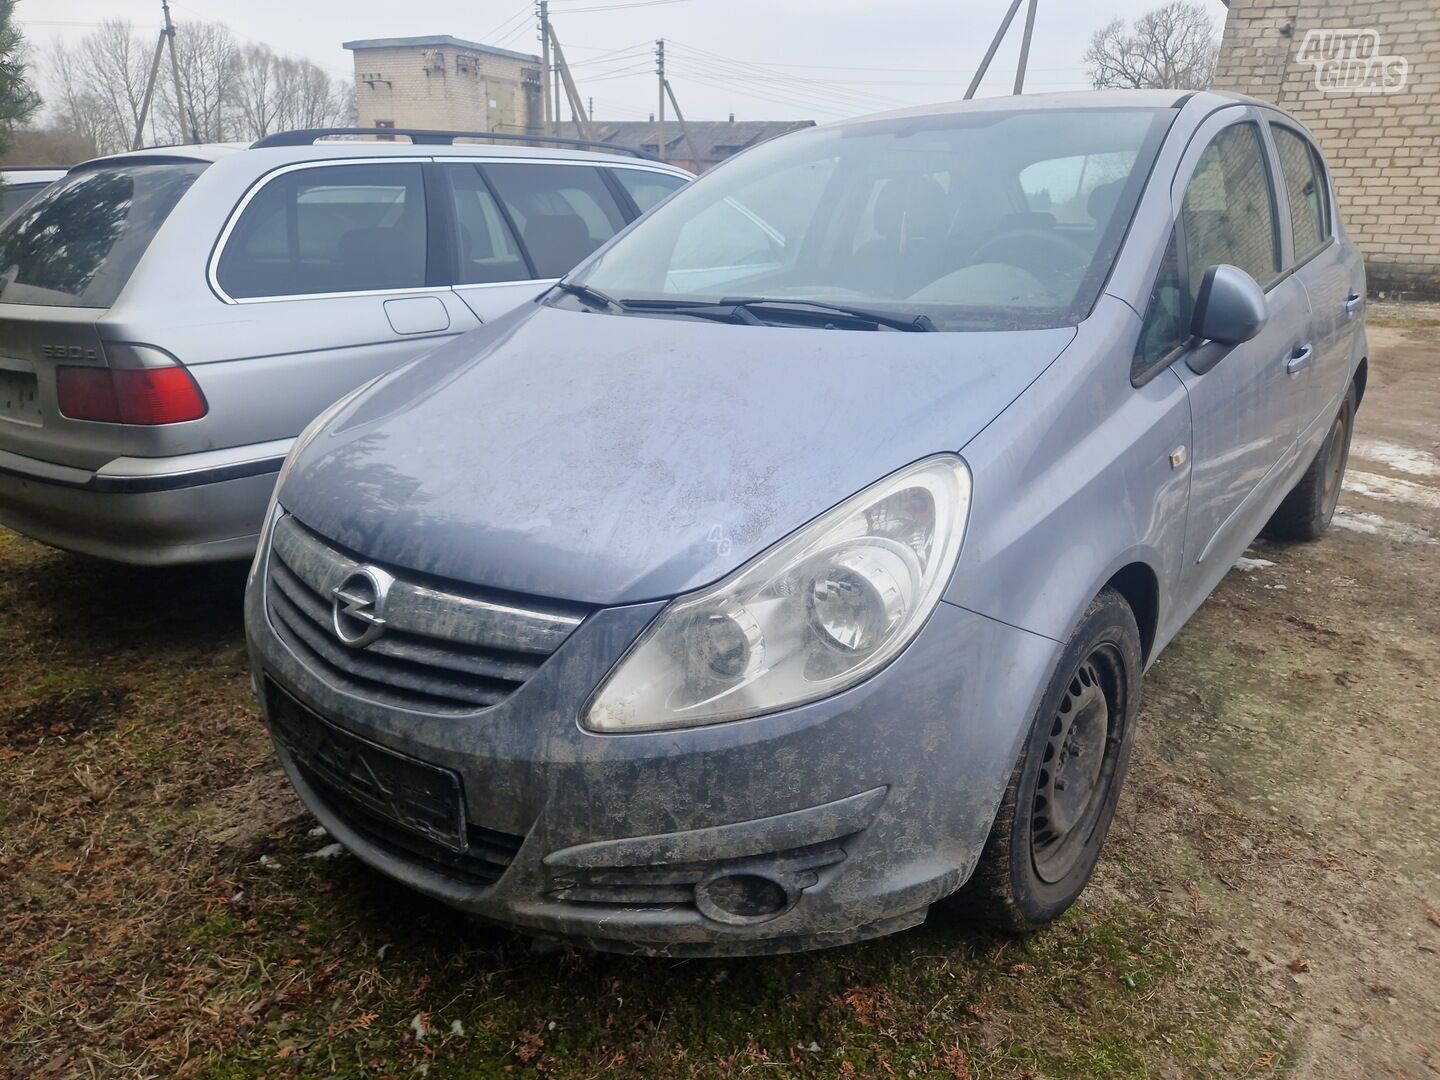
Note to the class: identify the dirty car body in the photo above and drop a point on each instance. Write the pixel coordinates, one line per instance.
(749, 591)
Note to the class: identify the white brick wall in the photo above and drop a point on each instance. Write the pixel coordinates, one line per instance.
(444, 87)
(1383, 149)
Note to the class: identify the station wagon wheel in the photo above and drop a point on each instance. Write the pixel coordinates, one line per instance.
(1335, 458)
(1077, 766)
(1057, 808)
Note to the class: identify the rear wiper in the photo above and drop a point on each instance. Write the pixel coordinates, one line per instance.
(911, 323)
(589, 296)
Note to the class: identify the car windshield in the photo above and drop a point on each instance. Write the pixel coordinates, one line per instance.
(975, 220)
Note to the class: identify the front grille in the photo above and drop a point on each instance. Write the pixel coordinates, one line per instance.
(443, 649)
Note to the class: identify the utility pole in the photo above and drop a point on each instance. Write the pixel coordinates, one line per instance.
(1025, 48)
(545, 61)
(167, 35)
(577, 111)
(180, 108)
(660, 71)
(990, 52)
(684, 127)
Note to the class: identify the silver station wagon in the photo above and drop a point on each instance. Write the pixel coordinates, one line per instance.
(792, 566)
(171, 319)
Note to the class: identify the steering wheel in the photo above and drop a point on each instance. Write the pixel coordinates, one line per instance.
(1039, 251)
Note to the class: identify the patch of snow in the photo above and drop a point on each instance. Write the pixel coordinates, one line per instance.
(380, 952)
(238, 894)
(268, 863)
(1248, 565)
(318, 831)
(329, 851)
(1400, 458)
(551, 1026)
(457, 1028)
(1369, 524)
(1388, 489)
(419, 1026)
(813, 1048)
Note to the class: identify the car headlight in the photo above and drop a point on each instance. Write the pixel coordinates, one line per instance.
(817, 613)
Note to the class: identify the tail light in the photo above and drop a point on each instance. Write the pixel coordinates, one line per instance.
(142, 385)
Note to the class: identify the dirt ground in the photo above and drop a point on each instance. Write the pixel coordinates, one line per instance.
(1269, 904)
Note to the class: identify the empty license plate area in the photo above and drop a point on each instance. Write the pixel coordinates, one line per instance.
(19, 397)
(420, 798)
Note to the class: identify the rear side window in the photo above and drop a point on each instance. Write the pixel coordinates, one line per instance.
(78, 243)
(485, 247)
(647, 188)
(1228, 213)
(329, 229)
(563, 212)
(14, 196)
(1305, 189)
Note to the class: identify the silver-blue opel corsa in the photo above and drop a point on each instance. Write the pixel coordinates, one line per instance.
(793, 564)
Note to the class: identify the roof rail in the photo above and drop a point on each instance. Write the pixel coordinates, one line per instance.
(423, 137)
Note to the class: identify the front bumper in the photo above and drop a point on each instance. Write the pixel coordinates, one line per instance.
(853, 814)
(203, 507)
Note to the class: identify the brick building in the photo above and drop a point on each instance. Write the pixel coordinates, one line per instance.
(446, 82)
(1364, 76)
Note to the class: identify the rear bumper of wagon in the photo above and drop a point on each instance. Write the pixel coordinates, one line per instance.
(204, 507)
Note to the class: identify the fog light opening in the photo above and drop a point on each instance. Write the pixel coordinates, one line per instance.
(740, 897)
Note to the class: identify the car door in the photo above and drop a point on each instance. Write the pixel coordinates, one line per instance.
(332, 276)
(522, 225)
(1245, 402)
(1320, 263)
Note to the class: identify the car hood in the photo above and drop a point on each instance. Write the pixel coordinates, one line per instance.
(611, 459)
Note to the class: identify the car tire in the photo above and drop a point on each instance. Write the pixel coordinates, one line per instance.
(1308, 509)
(1047, 837)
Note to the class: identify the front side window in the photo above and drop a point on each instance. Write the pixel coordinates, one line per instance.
(1165, 327)
(77, 244)
(563, 212)
(1305, 191)
(937, 216)
(1228, 213)
(329, 229)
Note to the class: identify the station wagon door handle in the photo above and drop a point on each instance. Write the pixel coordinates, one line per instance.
(1353, 302)
(1299, 359)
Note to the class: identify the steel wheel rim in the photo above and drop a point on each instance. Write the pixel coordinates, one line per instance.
(1078, 765)
(1334, 464)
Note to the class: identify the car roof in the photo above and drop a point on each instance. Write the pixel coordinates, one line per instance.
(1073, 99)
(321, 151)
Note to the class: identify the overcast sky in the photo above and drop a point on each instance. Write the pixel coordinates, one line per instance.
(761, 59)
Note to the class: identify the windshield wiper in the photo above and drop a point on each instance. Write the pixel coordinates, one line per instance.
(589, 296)
(911, 323)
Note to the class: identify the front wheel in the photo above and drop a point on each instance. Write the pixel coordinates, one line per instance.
(1057, 809)
(1310, 506)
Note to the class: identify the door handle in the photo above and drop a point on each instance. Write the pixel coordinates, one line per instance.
(1353, 302)
(1299, 360)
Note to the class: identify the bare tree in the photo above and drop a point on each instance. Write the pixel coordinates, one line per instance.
(230, 91)
(99, 84)
(209, 61)
(1173, 47)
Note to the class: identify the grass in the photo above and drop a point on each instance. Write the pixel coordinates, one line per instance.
(144, 936)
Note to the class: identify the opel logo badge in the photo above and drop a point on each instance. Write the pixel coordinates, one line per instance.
(358, 606)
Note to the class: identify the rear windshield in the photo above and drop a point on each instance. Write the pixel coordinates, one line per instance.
(77, 244)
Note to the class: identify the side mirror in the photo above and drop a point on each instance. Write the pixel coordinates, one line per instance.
(1230, 307)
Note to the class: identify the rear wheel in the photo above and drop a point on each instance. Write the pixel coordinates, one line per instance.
(1310, 506)
(1061, 799)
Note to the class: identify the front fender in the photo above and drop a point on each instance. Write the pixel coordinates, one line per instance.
(1073, 482)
